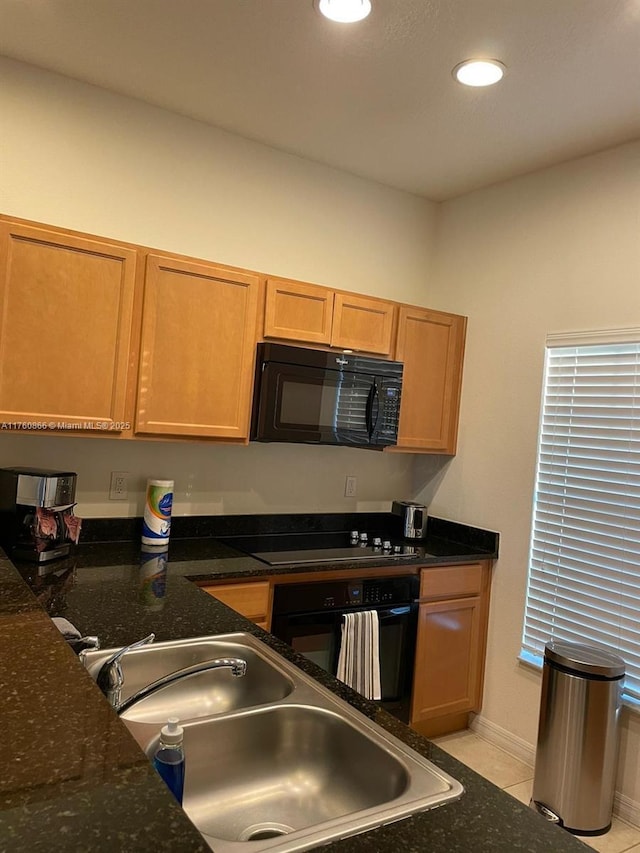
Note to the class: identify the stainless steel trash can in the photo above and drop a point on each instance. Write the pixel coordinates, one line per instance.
(578, 737)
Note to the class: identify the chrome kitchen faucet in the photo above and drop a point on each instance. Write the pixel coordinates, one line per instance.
(111, 678)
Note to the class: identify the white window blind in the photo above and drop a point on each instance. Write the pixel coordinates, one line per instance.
(584, 566)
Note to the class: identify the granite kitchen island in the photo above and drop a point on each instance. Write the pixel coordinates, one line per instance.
(75, 779)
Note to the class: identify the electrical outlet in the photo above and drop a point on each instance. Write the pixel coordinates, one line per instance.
(119, 490)
(350, 487)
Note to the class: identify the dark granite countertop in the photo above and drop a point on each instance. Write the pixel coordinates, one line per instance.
(75, 780)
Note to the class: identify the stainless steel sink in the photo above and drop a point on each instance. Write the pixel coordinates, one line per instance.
(280, 774)
(203, 695)
(276, 771)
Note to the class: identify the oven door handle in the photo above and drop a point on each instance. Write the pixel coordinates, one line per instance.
(393, 612)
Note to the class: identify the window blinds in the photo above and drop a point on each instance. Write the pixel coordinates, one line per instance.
(584, 566)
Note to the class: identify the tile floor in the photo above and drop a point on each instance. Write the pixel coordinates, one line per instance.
(516, 778)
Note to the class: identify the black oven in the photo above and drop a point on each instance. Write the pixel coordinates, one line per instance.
(308, 616)
(317, 397)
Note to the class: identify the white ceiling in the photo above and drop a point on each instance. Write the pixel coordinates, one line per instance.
(375, 98)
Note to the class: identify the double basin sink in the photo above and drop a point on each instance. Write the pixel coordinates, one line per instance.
(274, 761)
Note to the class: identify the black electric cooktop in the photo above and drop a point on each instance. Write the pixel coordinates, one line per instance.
(329, 555)
(310, 548)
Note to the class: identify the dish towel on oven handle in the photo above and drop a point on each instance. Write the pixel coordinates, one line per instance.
(359, 658)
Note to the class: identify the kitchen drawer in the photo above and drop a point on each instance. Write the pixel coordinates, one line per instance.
(250, 599)
(451, 581)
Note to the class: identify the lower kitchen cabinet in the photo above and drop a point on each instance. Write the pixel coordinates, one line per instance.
(252, 600)
(447, 663)
(451, 636)
(450, 647)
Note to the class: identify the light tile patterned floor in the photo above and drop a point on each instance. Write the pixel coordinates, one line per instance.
(516, 778)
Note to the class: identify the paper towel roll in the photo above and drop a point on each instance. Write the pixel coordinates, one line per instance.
(156, 524)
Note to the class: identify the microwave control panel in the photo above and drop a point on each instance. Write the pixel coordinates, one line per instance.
(389, 409)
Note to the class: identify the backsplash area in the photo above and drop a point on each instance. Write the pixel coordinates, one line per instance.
(213, 479)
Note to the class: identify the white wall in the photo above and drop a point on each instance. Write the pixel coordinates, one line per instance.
(77, 156)
(558, 250)
(215, 480)
(80, 157)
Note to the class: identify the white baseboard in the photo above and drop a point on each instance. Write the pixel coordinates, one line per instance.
(627, 809)
(623, 807)
(495, 734)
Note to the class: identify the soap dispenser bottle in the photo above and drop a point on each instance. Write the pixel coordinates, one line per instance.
(169, 757)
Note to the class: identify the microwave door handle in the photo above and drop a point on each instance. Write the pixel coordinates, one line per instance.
(373, 408)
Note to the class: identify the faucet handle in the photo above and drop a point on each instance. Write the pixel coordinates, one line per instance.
(110, 676)
(83, 644)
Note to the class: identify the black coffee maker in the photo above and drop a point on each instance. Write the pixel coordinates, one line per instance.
(37, 522)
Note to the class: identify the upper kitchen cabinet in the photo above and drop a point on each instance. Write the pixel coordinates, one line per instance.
(199, 334)
(66, 318)
(431, 346)
(296, 311)
(362, 323)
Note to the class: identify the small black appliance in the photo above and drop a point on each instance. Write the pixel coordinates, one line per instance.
(37, 522)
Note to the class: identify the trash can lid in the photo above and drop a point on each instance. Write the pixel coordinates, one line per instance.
(582, 658)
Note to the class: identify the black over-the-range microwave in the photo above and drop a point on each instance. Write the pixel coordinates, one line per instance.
(317, 397)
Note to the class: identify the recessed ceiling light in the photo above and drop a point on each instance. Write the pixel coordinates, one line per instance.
(479, 72)
(344, 11)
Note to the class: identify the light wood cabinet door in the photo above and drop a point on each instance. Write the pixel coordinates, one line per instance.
(66, 308)
(309, 313)
(250, 599)
(431, 346)
(198, 350)
(448, 668)
(362, 324)
(295, 311)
